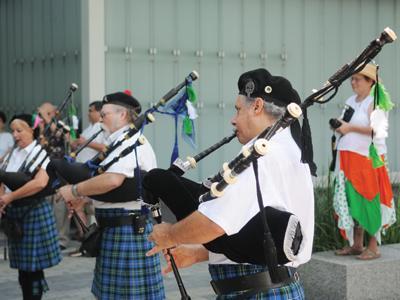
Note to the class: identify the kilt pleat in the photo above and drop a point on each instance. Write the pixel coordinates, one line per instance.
(122, 270)
(39, 248)
(293, 291)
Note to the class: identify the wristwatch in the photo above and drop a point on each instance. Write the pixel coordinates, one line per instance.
(74, 191)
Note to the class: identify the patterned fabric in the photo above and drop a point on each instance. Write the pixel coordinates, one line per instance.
(363, 194)
(293, 291)
(122, 269)
(39, 247)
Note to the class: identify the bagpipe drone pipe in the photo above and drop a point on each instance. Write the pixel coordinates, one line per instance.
(266, 227)
(59, 125)
(15, 180)
(64, 171)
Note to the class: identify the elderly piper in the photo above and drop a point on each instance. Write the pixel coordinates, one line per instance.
(122, 270)
(285, 183)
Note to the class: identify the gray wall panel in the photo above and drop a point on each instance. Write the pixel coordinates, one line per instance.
(39, 56)
(151, 45)
(305, 40)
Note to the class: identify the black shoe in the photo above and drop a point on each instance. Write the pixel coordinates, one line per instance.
(62, 247)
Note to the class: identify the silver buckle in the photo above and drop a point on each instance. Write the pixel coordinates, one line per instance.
(296, 276)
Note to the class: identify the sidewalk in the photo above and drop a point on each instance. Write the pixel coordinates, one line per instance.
(72, 279)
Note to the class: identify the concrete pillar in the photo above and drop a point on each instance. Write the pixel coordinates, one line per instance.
(93, 57)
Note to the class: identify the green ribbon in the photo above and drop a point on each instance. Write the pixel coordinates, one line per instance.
(72, 112)
(374, 156)
(72, 134)
(187, 126)
(192, 97)
(384, 103)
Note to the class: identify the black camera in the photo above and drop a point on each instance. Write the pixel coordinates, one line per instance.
(335, 123)
(347, 113)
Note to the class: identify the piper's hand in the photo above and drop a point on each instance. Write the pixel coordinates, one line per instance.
(162, 238)
(77, 204)
(66, 193)
(184, 256)
(81, 140)
(344, 128)
(4, 201)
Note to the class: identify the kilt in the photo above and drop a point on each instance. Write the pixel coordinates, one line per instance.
(39, 247)
(293, 291)
(122, 270)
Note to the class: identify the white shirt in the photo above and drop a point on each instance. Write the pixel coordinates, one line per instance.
(88, 153)
(6, 143)
(357, 142)
(285, 184)
(127, 164)
(19, 154)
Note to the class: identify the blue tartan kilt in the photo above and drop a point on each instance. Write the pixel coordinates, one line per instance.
(122, 270)
(39, 248)
(293, 291)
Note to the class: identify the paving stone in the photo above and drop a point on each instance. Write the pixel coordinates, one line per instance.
(72, 279)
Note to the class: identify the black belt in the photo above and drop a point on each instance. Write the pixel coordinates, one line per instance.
(137, 220)
(254, 283)
(26, 201)
(116, 221)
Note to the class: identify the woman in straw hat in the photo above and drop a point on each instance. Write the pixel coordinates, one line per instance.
(363, 199)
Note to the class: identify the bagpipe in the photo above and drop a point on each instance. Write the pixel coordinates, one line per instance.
(57, 126)
(75, 153)
(71, 172)
(180, 166)
(15, 180)
(267, 229)
(67, 171)
(259, 147)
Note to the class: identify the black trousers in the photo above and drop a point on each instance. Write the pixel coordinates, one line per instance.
(26, 280)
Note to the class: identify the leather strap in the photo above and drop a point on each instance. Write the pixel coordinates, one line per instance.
(117, 221)
(254, 283)
(26, 202)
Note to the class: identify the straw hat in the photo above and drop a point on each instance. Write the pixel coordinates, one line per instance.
(369, 71)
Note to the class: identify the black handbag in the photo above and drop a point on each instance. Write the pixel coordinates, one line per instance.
(13, 228)
(91, 241)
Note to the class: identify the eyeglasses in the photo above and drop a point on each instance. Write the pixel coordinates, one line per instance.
(357, 79)
(105, 113)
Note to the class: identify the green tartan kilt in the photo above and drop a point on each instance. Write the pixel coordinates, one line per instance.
(39, 248)
(122, 270)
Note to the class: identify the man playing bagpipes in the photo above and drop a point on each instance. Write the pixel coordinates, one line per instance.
(122, 270)
(55, 138)
(285, 187)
